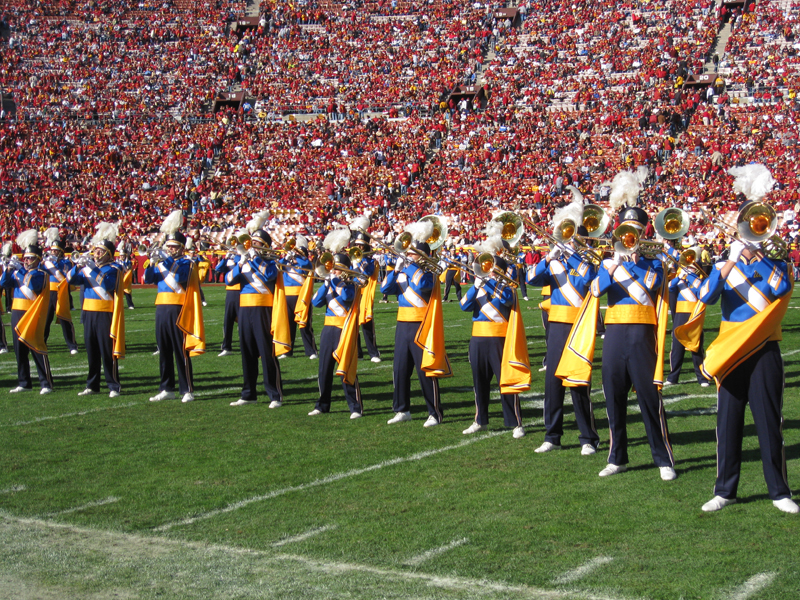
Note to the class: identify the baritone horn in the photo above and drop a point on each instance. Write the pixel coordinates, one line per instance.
(595, 220)
(672, 223)
(485, 267)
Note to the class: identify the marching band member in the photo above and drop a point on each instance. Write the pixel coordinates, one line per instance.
(745, 359)
(5, 258)
(179, 312)
(29, 313)
(452, 277)
(260, 313)
(57, 266)
(419, 336)
(340, 332)
(369, 267)
(103, 316)
(299, 283)
(568, 275)
(498, 346)
(231, 314)
(126, 266)
(202, 265)
(390, 261)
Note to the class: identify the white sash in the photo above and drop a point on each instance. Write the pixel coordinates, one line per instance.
(25, 287)
(746, 290)
(633, 287)
(561, 276)
(170, 280)
(95, 283)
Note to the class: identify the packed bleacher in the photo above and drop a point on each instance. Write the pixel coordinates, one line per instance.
(350, 107)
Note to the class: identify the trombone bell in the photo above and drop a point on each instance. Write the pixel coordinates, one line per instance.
(595, 220)
(756, 222)
(513, 227)
(565, 230)
(439, 235)
(626, 239)
(402, 243)
(672, 223)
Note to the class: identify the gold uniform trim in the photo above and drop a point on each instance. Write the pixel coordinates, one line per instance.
(630, 314)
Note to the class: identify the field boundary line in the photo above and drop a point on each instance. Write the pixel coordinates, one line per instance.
(329, 479)
(582, 571)
(303, 536)
(752, 586)
(103, 502)
(13, 489)
(421, 558)
(447, 582)
(66, 415)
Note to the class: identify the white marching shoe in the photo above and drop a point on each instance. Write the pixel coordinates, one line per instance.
(19, 388)
(519, 432)
(613, 470)
(157, 352)
(44, 391)
(312, 357)
(187, 397)
(431, 422)
(547, 447)
(315, 412)
(87, 392)
(717, 503)
(225, 353)
(165, 395)
(73, 352)
(667, 473)
(356, 415)
(113, 394)
(243, 402)
(376, 359)
(786, 505)
(399, 418)
(588, 450)
(275, 404)
(474, 428)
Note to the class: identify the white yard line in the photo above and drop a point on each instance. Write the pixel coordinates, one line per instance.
(582, 571)
(790, 353)
(104, 501)
(66, 415)
(673, 399)
(303, 536)
(219, 391)
(752, 586)
(329, 479)
(425, 556)
(57, 369)
(13, 489)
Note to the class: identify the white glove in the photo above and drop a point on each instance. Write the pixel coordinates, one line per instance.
(568, 251)
(251, 253)
(617, 260)
(479, 281)
(554, 254)
(736, 250)
(400, 264)
(14, 263)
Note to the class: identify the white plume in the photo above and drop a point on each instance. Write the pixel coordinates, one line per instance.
(257, 222)
(173, 222)
(189, 243)
(754, 181)
(8, 249)
(360, 223)
(302, 241)
(576, 194)
(105, 231)
(51, 234)
(492, 244)
(573, 211)
(421, 231)
(493, 229)
(337, 239)
(121, 247)
(625, 188)
(27, 238)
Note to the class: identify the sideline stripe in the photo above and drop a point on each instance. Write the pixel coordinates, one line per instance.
(65, 415)
(421, 558)
(673, 399)
(104, 501)
(790, 353)
(303, 536)
(219, 391)
(452, 583)
(583, 570)
(752, 586)
(329, 479)
(13, 488)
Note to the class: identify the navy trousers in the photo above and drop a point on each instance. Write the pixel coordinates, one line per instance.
(328, 341)
(229, 318)
(306, 333)
(368, 331)
(170, 342)
(678, 352)
(23, 365)
(100, 350)
(255, 340)
(67, 327)
(449, 278)
(407, 357)
(629, 359)
(486, 359)
(758, 381)
(554, 392)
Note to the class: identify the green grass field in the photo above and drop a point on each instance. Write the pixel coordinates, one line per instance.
(124, 498)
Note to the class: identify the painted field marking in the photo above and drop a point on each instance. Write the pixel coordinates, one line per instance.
(66, 415)
(303, 536)
(673, 399)
(219, 391)
(582, 571)
(102, 537)
(57, 369)
(13, 488)
(790, 353)
(329, 479)
(425, 556)
(752, 586)
(103, 502)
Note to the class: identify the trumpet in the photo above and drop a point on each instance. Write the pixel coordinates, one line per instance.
(485, 267)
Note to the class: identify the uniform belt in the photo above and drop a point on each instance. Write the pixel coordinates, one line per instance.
(169, 298)
(411, 313)
(563, 314)
(545, 305)
(335, 321)
(489, 329)
(630, 314)
(97, 305)
(233, 288)
(53, 286)
(21, 304)
(546, 291)
(246, 300)
(685, 306)
(776, 336)
(292, 290)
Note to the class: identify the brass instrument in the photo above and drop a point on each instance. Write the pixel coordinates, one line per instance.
(756, 224)
(356, 254)
(672, 223)
(595, 220)
(513, 227)
(439, 234)
(689, 260)
(485, 267)
(627, 241)
(427, 262)
(327, 263)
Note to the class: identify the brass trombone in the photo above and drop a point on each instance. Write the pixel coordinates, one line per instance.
(327, 263)
(485, 267)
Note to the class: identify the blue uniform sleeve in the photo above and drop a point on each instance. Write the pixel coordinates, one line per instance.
(776, 274)
(320, 298)
(469, 301)
(367, 266)
(74, 276)
(540, 276)
(421, 281)
(389, 285)
(711, 289)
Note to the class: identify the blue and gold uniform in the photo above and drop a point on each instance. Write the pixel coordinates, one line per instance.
(491, 305)
(231, 313)
(568, 280)
(369, 268)
(294, 276)
(57, 270)
(256, 276)
(753, 289)
(413, 287)
(390, 260)
(172, 278)
(99, 286)
(338, 296)
(630, 356)
(683, 290)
